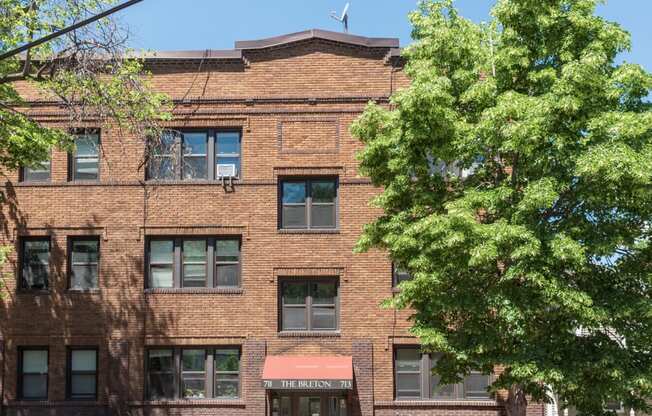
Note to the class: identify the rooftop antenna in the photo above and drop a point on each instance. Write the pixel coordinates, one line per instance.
(345, 17)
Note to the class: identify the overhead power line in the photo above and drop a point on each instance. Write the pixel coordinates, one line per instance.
(68, 29)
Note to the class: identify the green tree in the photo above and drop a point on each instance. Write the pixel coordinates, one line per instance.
(516, 174)
(84, 71)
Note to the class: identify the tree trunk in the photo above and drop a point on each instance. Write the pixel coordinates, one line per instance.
(516, 403)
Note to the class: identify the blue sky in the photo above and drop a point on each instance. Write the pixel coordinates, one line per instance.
(216, 24)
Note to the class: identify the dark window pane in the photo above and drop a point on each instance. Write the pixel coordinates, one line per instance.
(35, 386)
(323, 318)
(40, 173)
(323, 293)
(294, 192)
(36, 258)
(227, 275)
(86, 163)
(409, 382)
(228, 143)
(227, 360)
(84, 268)
(226, 386)
(195, 144)
(161, 386)
(84, 277)
(400, 275)
(294, 216)
(227, 250)
(85, 251)
(322, 216)
(475, 386)
(194, 259)
(83, 360)
(161, 276)
(161, 168)
(36, 276)
(193, 386)
(408, 359)
(161, 360)
(195, 167)
(35, 361)
(87, 145)
(323, 191)
(161, 251)
(294, 318)
(441, 391)
(193, 360)
(295, 293)
(194, 251)
(37, 251)
(82, 385)
(86, 169)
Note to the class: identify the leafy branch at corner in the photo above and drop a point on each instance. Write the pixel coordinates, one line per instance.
(539, 260)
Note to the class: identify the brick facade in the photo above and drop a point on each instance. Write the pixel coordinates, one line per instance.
(293, 102)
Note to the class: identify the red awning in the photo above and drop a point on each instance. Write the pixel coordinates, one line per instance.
(308, 372)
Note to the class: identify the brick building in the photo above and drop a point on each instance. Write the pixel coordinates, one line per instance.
(221, 279)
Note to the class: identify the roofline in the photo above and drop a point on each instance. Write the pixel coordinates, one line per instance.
(242, 46)
(317, 34)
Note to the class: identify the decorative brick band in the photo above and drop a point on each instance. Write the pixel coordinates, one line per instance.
(436, 403)
(195, 291)
(189, 403)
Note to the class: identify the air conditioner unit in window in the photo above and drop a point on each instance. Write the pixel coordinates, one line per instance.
(226, 171)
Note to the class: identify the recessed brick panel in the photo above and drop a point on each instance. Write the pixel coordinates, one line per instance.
(308, 136)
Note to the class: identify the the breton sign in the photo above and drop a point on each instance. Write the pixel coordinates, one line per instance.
(308, 373)
(308, 384)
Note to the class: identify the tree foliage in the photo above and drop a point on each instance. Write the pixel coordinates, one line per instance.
(85, 72)
(538, 258)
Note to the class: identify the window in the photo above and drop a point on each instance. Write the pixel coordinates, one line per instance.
(308, 204)
(37, 173)
(85, 160)
(227, 152)
(203, 154)
(414, 379)
(35, 263)
(82, 374)
(84, 262)
(309, 305)
(33, 374)
(202, 262)
(199, 373)
(399, 275)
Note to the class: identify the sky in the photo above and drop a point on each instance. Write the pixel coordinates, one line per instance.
(217, 24)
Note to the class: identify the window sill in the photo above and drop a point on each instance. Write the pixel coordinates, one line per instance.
(438, 403)
(309, 231)
(35, 292)
(191, 403)
(157, 182)
(83, 291)
(48, 403)
(196, 291)
(314, 334)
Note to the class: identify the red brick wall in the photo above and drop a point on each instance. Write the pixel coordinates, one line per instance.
(291, 137)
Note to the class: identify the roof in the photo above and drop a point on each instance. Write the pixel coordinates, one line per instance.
(241, 46)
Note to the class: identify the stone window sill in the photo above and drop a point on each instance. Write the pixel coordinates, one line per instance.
(196, 291)
(314, 334)
(309, 231)
(83, 291)
(49, 403)
(438, 403)
(39, 292)
(191, 403)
